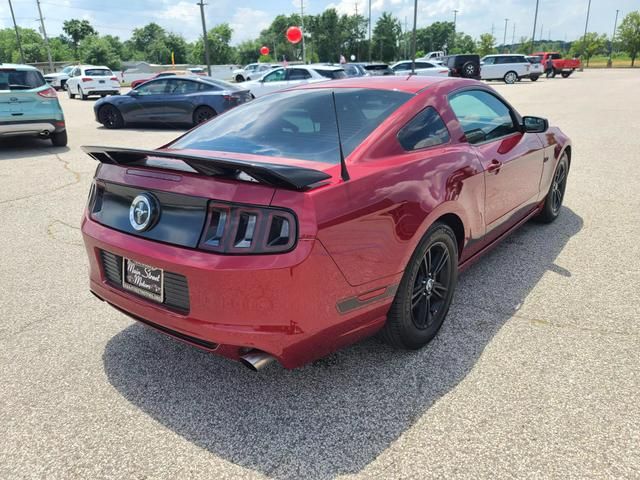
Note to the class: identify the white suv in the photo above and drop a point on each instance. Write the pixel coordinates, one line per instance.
(507, 67)
(86, 80)
(58, 80)
(286, 77)
(251, 71)
(423, 68)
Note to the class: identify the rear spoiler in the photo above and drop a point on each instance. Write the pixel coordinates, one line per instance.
(276, 175)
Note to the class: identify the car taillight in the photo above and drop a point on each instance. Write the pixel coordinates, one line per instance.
(48, 93)
(114, 78)
(87, 79)
(244, 229)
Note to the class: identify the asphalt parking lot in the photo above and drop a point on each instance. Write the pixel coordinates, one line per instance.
(535, 373)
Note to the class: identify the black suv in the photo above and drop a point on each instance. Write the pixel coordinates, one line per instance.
(466, 66)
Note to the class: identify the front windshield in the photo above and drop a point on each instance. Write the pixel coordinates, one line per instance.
(67, 70)
(299, 124)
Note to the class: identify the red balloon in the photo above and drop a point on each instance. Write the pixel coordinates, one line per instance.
(264, 51)
(294, 34)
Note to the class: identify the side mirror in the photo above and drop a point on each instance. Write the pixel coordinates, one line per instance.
(535, 124)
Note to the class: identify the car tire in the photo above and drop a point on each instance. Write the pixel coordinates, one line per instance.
(555, 196)
(469, 70)
(239, 78)
(59, 139)
(110, 117)
(566, 74)
(63, 84)
(534, 78)
(82, 95)
(510, 77)
(71, 95)
(425, 291)
(202, 114)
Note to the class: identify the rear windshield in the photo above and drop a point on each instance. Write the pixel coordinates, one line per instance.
(334, 74)
(297, 124)
(98, 72)
(11, 79)
(534, 59)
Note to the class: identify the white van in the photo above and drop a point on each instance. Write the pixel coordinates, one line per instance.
(507, 67)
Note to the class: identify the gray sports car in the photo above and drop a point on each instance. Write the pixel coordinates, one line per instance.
(170, 100)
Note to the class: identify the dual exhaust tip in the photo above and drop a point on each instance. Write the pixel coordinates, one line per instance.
(256, 360)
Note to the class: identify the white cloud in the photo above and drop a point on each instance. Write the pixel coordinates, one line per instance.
(247, 23)
(182, 13)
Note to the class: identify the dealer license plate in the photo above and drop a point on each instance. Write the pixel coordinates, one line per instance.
(143, 279)
(100, 81)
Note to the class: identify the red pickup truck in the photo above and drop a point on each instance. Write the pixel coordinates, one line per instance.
(562, 66)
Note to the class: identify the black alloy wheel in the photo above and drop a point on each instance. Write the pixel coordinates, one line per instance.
(555, 196)
(431, 285)
(425, 291)
(110, 117)
(202, 114)
(469, 70)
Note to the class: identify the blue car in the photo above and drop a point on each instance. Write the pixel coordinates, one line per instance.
(29, 106)
(170, 100)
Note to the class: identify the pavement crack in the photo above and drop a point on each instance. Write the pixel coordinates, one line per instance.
(71, 230)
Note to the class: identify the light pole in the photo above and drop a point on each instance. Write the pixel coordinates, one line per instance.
(504, 39)
(304, 55)
(369, 31)
(535, 20)
(613, 37)
(204, 37)
(15, 25)
(413, 38)
(586, 25)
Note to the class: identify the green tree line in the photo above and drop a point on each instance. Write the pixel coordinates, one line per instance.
(327, 36)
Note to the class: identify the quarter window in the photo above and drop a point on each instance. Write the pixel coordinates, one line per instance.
(298, 74)
(482, 116)
(424, 130)
(152, 88)
(277, 76)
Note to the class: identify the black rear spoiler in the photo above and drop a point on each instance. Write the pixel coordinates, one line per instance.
(282, 176)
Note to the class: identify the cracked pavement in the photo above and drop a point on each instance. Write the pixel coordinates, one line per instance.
(536, 372)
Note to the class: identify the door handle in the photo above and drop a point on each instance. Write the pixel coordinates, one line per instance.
(494, 166)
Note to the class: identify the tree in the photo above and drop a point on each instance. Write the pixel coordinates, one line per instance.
(436, 36)
(629, 35)
(78, 30)
(96, 50)
(248, 51)
(463, 43)
(589, 45)
(220, 51)
(486, 44)
(385, 37)
(179, 46)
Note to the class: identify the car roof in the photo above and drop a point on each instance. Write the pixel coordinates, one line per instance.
(318, 66)
(408, 84)
(17, 66)
(505, 55)
(84, 67)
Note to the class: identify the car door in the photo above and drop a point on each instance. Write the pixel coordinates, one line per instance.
(489, 69)
(149, 102)
(402, 68)
(512, 160)
(271, 82)
(72, 83)
(180, 96)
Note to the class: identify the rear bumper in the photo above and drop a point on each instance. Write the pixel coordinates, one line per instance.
(30, 127)
(289, 305)
(98, 91)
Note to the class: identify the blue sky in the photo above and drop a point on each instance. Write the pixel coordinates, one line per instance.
(558, 18)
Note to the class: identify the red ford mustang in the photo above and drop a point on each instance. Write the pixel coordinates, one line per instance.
(308, 219)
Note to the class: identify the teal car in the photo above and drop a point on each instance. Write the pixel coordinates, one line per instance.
(29, 106)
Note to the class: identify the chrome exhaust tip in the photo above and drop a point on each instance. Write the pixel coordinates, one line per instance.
(45, 133)
(256, 360)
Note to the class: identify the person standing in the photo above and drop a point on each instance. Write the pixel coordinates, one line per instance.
(549, 67)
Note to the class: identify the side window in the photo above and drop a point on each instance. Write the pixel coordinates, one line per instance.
(182, 87)
(555, 56)
(423, 65)
(489, 60)
(298, 74)
(402, 67)
(157, 87)
(426, 129)
(277, 76)
(207, 87)
(75, 73)
(482, 116)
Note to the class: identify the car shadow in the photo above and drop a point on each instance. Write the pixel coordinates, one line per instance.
(15, 148)
(337, 415)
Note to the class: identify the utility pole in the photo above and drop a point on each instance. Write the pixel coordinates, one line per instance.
(613, 37)
(541, 29)
(586, 24)
(493, 29)
(204, 37)
(535, 19)
(46, 39)
(15, 25)
(455, 17)
(406, 38)
(369, 31)
(504, 39)
(304, 55)
(413, 37)
(513, 35)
